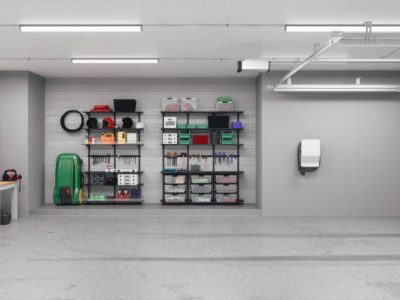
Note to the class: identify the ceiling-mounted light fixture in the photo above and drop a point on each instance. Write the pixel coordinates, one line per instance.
(357, 60)
(115, 60)
(253, 65)
(361, 28)
(345, 88)
(80, 28)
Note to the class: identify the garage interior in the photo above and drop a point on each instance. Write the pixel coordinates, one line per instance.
(199, 149)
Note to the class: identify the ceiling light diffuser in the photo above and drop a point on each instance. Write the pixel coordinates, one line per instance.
(115, 60)
(358, 60)
(342, 28)
(346, 88)
(80, 28)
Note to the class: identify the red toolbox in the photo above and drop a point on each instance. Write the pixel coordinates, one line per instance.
(200, 139)
(100, 108)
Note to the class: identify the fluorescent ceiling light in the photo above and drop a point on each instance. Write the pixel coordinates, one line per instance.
(324, 28)
(347, 88)
(358, 60)
(386, 28)
(115, 60)
(253, 65)
(80, 28)
(342, 28)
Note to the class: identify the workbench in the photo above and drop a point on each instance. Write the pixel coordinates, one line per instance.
(11, 185)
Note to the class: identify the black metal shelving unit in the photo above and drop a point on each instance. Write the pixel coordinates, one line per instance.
(213, 173)
(115, 147)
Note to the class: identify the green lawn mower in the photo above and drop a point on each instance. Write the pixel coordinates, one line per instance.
(68, 185)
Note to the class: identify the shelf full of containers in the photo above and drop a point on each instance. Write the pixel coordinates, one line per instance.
(114, 154)
(200, 153)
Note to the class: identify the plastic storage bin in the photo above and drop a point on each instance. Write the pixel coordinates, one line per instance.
(170, 104)
(225, 179)
(227, 198)
(218, 121)
(225, 104)
(201, 189)
(174, 189)
(206, 179)
(183, 138)
(226, 188)
(198, 198)
(188, 104)
(181, 125)
(202, 125)
(175, 198)
(175, 179)
(200, 139)
(125, 105)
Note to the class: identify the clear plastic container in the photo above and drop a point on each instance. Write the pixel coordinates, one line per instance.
(201, 179)
(170, 104)
(198, 198)
(171, 179)
(225, 179)
(188, 104)
(175, 198)
(232, 188)
(229, 198)
(175, 189)
(206, 188)
(225, 104)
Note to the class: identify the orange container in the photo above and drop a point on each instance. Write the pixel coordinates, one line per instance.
(107, 138)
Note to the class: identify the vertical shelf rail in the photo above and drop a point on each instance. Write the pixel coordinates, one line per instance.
(238, 160)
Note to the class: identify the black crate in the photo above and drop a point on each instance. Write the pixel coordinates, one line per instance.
(218, 121)
(125, 105)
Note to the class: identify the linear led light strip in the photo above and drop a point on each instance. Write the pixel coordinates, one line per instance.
(80, 28)
(341, 28)
(115, 60)
(346, 88)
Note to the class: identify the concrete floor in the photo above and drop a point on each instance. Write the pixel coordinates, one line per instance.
(156, 257)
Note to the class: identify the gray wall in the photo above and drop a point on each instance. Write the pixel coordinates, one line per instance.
(22, 133)
(81, 94)
(14, 133)
(36, 140)
(360, 170)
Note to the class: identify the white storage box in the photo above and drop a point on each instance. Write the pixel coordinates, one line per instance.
(128, 179)
(170, 122)
(170, 138)
(131, 138)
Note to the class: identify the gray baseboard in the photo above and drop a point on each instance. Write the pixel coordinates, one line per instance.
(146, 210)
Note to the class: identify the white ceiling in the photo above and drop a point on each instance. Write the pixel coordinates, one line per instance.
(185, 51)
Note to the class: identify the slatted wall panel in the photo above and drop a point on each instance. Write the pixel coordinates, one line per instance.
(64, 94)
